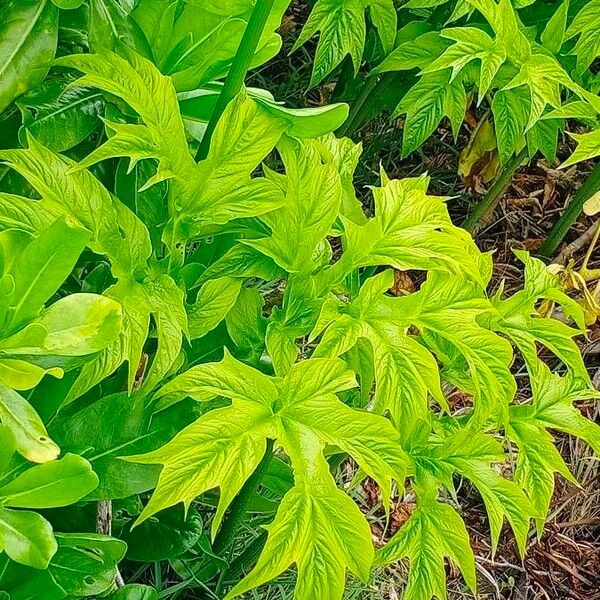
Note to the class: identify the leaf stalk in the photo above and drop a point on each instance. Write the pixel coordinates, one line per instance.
(237, 511)
(489, 202)
(237, 72)
(571, 213)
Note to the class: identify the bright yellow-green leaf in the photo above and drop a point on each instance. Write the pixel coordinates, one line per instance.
(32, 440)
(434, 531)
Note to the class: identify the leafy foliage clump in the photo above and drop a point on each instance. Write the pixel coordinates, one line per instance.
(227, 331)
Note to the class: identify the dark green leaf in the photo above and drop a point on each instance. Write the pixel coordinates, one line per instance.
(27, 45)
(58, 116)
(164, 536)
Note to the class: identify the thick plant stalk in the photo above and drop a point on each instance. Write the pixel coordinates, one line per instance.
(248, 557)
(238, 507)
(489, 202)
(589, 187)
(238, 70)
(104, 526)
(355, 117)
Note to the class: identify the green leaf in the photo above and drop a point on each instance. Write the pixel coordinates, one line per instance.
(416, 53)
(526, 328)
(471, 454)
(588, 146)
(245, 134)
(410, 230)
(27, 45)
(76, 325)
(312, 122)
(52, 484)
(85, 564)
(150, 204)
(543, 136)
(229, 378)
(369, 439)
(27, 583)
(221, 449)
(32, 440)
(586, 27)
(166, 301)
(511, 109)
(17, 212)
(243, 261)
(41, 268)
(134, 591)
(322, 531)
(79, 196)
(68, 4)
(109, 25)
(113, 426)
(217, 190)
(296, 318)
(59, 116)
(159, 297)
(196, 43)
(397, 356)
(434, 96)
(434, 531)
(553, 35)
(7, 448)
(246, 325)
(280, 341)
(537, 461)
(26, 537)
(225, 445)
(313, 197)
(129, 345)
(510, 32)
(342, 28)
(544, 77)
(446, 311)
(471, 44)
(345, 155)
(526, 333)
(215, 299)
(22, 375)
(164, 537)
(553, 405)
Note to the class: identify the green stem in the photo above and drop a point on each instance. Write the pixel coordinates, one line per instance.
(237, 511)
(238, 70)
(247, 557)
(346, 74)
(359, 107)
(571, 213)
(489, 202)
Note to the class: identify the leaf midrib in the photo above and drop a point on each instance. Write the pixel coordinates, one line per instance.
(65, 108)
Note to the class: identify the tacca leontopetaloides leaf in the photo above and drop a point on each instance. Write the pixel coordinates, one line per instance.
(303, 413)
(397, 355)
(523, 324)
(552, 408)
(434, 531)
(217, 189)
(342, 28)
